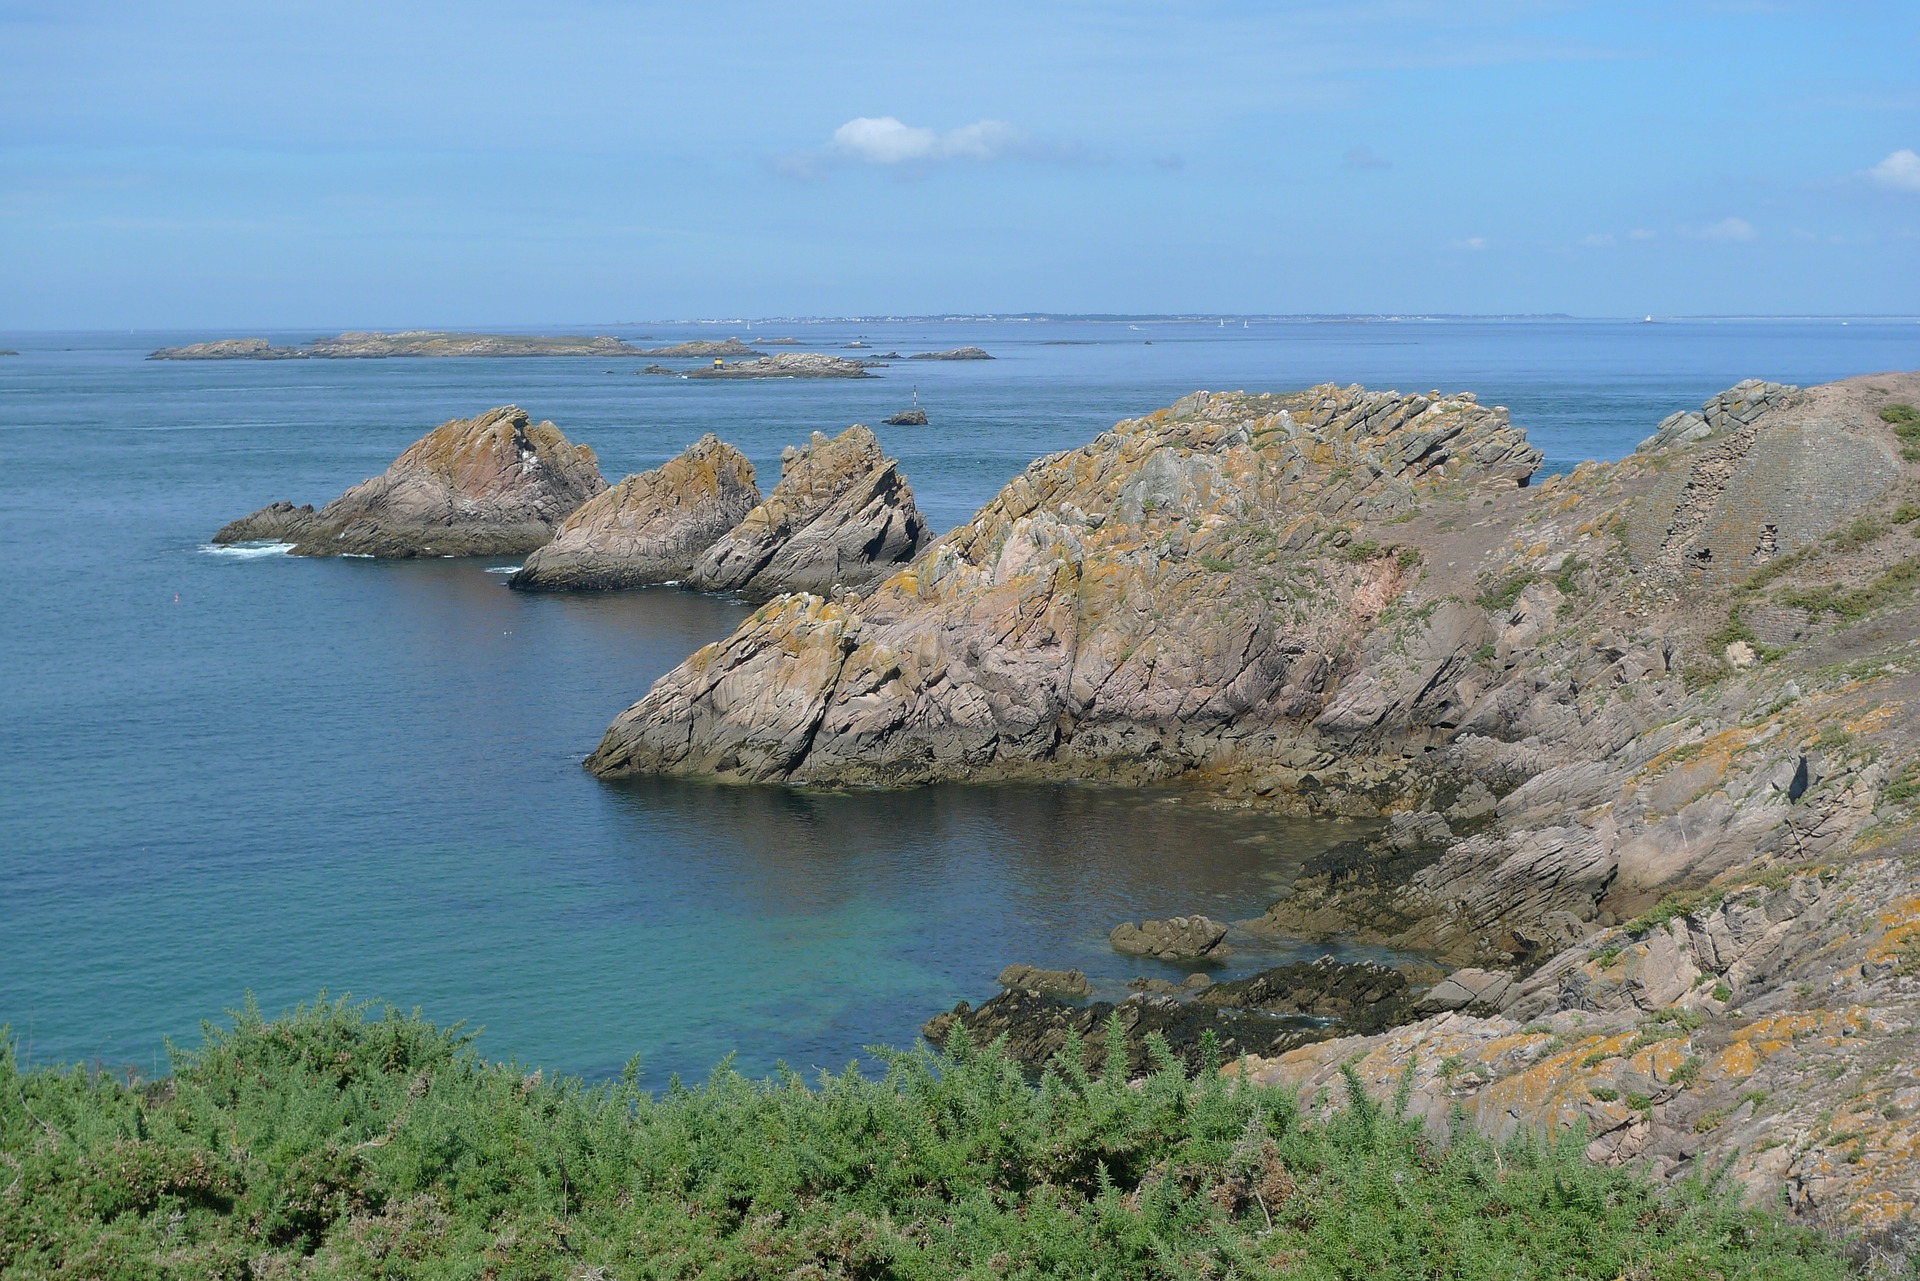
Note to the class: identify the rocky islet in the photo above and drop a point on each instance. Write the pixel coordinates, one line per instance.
(496, 484)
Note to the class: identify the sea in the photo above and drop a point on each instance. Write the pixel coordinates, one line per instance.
(227, 774)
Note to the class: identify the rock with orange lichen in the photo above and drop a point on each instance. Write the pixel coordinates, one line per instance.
(649, 528)
(1180, 593)
(841, 518)
(1773, 1030)
(493, 485)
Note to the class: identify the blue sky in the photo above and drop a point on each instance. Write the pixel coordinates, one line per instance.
(228, 166)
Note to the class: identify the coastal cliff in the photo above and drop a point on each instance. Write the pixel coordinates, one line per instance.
(1643, 729)
(493, 485)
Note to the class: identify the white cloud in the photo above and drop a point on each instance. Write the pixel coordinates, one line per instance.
(1728, 229)
(1474, 243)
(1599, 240)
(1898, 172)
(886, 140)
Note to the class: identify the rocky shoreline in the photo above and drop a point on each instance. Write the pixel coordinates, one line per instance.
(1642, 733)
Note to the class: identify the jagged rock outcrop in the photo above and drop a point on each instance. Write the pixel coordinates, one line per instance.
(1181, 592)
(1181, 938)
(493, 485)
(841, 517)
(958, 353)
(907, 418)
(651, 527)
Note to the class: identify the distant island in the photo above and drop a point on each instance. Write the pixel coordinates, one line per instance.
(732, 347)
(411, 342)
(787, 364)
(958, 353)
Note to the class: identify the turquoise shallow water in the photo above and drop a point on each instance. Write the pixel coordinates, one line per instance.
(364, 776)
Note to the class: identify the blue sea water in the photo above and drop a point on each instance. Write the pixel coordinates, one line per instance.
(224, 772)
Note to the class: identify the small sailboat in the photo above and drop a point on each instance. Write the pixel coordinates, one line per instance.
(1649, 321)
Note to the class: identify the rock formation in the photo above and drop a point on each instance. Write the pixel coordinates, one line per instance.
(649, 528)
(786, 364)
(1068, 983)
(841, 517)
(1645, 730)
(1183, 938)
(907, 418)
(1185, 591)
(958, 353)
(493, 485)
(412, 342)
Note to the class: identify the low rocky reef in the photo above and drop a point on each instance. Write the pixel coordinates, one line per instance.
(1643, 735)
(704, 348)
(785, 364)
(906, 418)
(493, 485)
(411, 342)
(958, 353)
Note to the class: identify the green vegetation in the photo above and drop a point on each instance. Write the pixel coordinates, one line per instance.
(1501, 596)
(1906, 425)
(339, 1142)
(1856, 602)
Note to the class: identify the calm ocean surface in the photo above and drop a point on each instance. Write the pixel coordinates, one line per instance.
(222, 774)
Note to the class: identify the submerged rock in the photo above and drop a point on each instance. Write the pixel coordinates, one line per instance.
(649, 528)
(841, 517)
(492, 485)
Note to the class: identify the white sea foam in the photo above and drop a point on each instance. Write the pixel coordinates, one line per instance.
(503, 569)
(246, 551)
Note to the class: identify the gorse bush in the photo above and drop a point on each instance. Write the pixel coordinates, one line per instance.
(341, 1142)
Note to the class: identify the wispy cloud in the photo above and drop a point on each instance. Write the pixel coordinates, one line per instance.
(887, 142)
(1363, 157)
(1726, 229)
(1898, 172)
(1472, 244)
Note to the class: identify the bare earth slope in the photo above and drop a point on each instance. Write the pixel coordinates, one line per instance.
(1655, 717)
(493, 485)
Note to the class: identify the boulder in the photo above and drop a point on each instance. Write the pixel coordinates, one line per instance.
(1068, 983)
(841, 517)
(907, 418)
(649, 528)
(492, 485)
(1180, 938)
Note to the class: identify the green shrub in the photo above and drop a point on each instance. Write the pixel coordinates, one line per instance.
(338, 1141)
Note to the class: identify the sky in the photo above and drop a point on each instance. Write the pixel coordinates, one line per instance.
(282, 163)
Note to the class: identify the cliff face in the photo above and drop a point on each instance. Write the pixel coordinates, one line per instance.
(649, 528)
(493, 485)
(1182, 592)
